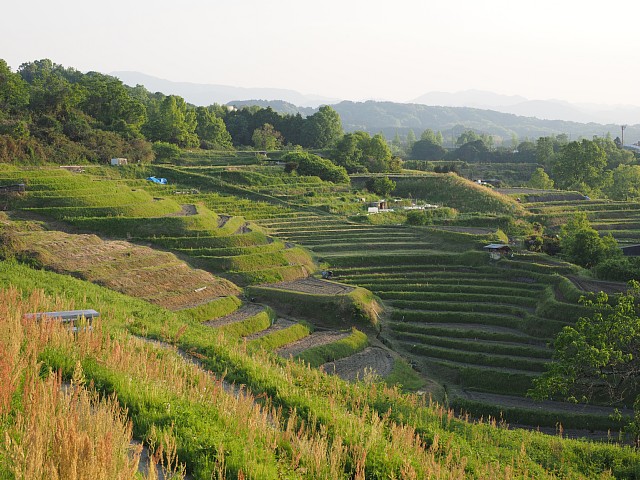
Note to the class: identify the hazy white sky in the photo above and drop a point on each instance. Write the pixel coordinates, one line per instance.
(580, 51)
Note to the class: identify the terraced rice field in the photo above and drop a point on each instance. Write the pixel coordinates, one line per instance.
(620, 219)
(477, 326)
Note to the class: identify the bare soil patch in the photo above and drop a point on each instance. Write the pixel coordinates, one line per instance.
(222, 220)
(244, 312)
(372, 360)
(185, 211)
(314, 340)
(243, 229)
(595, 286)
(315, 286)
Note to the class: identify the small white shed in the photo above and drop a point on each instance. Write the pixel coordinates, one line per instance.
(117, 162)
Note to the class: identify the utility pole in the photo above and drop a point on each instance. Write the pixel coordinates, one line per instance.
(622, 139)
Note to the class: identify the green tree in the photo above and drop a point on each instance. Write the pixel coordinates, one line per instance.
(411, 139)
(14, 92)
(466, 137)
(625, 184)
(109, 102)
(172, 120)
(349, 151)
(322, 129)
(166, 152)
(378, 155)
(599, 357)
(545, 151)
(427, 150)
(540, 179)
(267, 138)
(312, 165)
(580, 166)
(432, 137)
(383, 186)
(615, 156)
(582, 245)
(211, 130)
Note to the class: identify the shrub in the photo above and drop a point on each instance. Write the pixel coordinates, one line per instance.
(166, 152)
(313, 165)
(381, 185)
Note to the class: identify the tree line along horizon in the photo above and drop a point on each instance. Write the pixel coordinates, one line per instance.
(53, 114)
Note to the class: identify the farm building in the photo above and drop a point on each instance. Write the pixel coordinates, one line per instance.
(118, 162)
(498, 250)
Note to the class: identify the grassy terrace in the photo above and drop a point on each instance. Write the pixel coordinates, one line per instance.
(124, 208)
(620, 219)
(473, 324)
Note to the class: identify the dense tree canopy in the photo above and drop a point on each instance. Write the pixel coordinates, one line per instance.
(581, 244)
(580, 166)
(359, 152)
(305, 163)
(427, 150)
(540, 179)
(322, 129)
(381, 185)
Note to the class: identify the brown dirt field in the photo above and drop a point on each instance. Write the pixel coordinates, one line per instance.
(589, 285)
(314, 286)
(314, 340)
(246, 311)
(279, 324)
(375, 360)
(185, 211)
(243, 229)
(153, 275)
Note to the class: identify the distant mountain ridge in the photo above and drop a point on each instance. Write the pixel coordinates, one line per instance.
(208, 94)
(391, 118)
(543, 109)
(500, 115)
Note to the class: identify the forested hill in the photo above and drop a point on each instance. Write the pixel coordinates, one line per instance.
(390, 117)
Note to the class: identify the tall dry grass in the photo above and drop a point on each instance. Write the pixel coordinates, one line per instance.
(55, 430)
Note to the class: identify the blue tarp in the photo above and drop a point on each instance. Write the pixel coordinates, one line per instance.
(162, 181)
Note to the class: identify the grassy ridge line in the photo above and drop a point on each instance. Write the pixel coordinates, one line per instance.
(274, 340)
(253, 324)
(543, 454)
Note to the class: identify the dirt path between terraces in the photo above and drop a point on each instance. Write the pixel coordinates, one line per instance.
(316, 339)
(372, 360)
